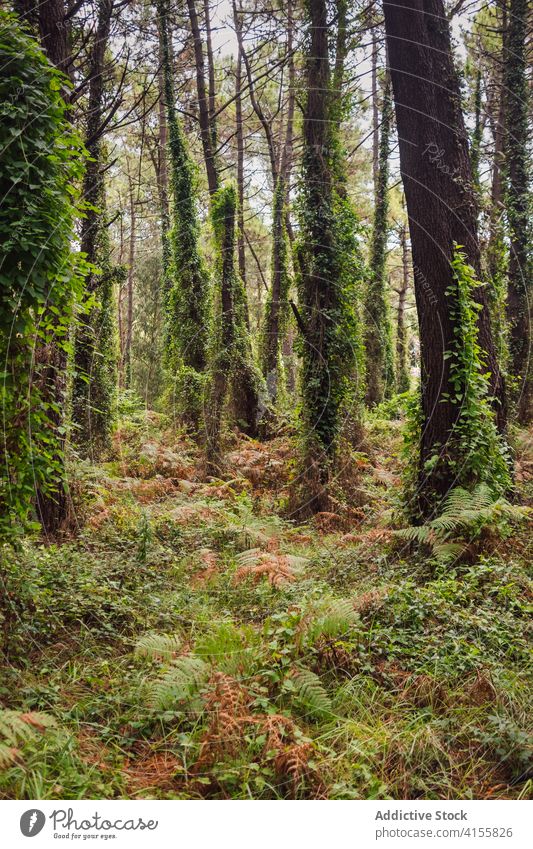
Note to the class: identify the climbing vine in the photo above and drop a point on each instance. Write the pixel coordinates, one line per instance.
(231, 360)
(188, 295)
(40, 276)
(475, 452)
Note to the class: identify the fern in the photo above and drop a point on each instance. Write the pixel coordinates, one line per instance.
(17, 729)
(277, 568)
(180, 685)
(229, 648)
(158, 646)
(465, 514)
(331, 619)
(8, 756)
(310, 696)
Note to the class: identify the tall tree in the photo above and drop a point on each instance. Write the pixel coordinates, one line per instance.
(206, 112)
(402, 368)
(378, 335)
(188, 294)
(52, 506)
(39, 278)
(518, 204)
(242, 379)
(437, 178)
(326, 292)
(96, 352)
(231, 364)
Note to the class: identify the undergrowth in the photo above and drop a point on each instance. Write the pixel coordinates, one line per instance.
(188, 642)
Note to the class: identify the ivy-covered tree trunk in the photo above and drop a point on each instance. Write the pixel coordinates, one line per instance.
(231, 360)
(188, 294)
(518, 205)
(326, 252)
(39, 279)
(378, 336)
(51, 359)
(96, 349)
(437, 178)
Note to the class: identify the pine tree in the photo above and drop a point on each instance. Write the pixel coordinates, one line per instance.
(94, 390)
(231, 363)
(328, 271)
(188, 293)
(442, 214)
(277, 305)
(378, 335)
(518, 205)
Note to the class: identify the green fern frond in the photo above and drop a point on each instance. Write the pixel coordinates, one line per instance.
(332, 618)
(310, 696)
(158, 646)
(179, 686)
(233, 650)
(446, 551)
(416, 533)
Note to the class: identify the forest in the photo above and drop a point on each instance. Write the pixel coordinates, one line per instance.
(266, 395)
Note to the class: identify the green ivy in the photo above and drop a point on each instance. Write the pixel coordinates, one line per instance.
(40, 276)
(475, 452)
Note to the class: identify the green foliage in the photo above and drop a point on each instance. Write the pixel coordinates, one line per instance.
(40, 277)
(464, 517)
(158, 646)
(231, 360)
(188, 297)
(330, 272)
(309, 694)
(179, 686)
(475, 451)
(329, 618)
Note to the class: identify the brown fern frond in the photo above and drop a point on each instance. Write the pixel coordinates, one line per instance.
(257, 564)
(228, 704)
(292, 764)
(209, 568)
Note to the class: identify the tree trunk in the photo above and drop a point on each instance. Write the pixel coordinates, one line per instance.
(240, 172)
(437, 179)
(378, 337)
(94, 383)
(126, 363)
(51, 360)
(206, 120)
(320, 286)
(375, 111)
(402, 369)
(517, 204)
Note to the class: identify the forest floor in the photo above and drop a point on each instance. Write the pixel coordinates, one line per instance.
(188, 640)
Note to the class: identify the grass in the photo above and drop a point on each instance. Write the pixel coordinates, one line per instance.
(190, 641)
